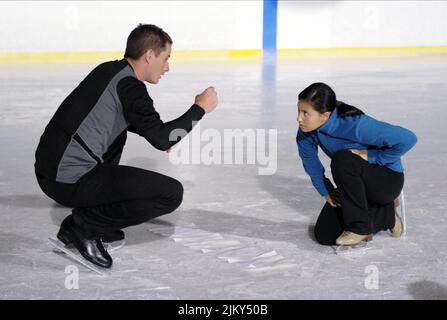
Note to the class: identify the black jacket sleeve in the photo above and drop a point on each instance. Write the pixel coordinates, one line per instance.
(143, 119)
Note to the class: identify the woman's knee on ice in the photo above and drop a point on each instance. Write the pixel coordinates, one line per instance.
(323, 237)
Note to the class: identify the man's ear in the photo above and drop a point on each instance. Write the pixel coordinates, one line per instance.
(149, 55)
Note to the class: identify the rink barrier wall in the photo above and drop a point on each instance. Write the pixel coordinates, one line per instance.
(209, 55)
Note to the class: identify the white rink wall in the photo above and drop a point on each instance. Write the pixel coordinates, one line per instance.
(348, 24)
(95, 26)
(84, 26)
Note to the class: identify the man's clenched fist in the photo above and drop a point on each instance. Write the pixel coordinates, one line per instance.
(207, 100)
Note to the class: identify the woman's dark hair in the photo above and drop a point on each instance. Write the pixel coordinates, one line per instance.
(145, 37)
(323, 99)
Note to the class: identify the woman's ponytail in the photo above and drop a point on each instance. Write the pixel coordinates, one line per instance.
(346, 110)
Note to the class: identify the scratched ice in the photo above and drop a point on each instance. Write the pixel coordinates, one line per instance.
(237, 235)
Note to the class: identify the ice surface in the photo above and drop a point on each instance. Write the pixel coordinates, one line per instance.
(237, 235)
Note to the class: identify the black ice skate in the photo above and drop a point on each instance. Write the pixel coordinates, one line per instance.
(91, 249)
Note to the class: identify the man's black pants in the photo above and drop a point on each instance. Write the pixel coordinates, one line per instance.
(367, 194)
(111, 197)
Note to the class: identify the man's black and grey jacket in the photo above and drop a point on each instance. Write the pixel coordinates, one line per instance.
(90, 126)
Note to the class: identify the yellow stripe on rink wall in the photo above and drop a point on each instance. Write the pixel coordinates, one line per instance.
(87, 57)
(57, 57)
(316, 52)
(96, 57)
(201, 55)
(205, 55)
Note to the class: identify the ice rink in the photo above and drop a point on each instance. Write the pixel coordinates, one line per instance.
(238, 234)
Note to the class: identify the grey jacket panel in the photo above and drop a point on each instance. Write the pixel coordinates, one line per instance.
(98, 131)
(77, 162)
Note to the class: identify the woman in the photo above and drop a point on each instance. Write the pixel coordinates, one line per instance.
(365, 162)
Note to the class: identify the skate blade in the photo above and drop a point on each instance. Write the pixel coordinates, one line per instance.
(114, 246)
(349, 249)
(59, 246)
(110, 247)
(400, 210)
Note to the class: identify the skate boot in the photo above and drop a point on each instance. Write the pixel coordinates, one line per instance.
(91, 249)
(112, 240)
(349, 238)
(399, 228)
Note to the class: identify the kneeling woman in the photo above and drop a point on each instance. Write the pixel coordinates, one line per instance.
(365, 162)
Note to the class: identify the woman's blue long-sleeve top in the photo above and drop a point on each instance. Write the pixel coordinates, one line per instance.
(385, 143)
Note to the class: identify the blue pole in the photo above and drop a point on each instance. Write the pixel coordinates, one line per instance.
(269, 53)
(270, 16)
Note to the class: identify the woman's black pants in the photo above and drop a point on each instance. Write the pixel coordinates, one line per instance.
(367, 193)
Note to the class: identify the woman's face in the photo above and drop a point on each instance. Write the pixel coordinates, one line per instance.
(308, 118)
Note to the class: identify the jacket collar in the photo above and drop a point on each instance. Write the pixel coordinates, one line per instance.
(331, 124)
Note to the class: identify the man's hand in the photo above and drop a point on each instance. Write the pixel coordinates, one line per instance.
(207, 100)
(362, 153)
(333, 199)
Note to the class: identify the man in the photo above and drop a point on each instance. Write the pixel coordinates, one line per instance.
(77, 159)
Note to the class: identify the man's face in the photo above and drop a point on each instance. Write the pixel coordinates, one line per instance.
(157, 65)
(308, 118)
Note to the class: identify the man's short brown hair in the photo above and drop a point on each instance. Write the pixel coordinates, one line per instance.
(145, 37)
